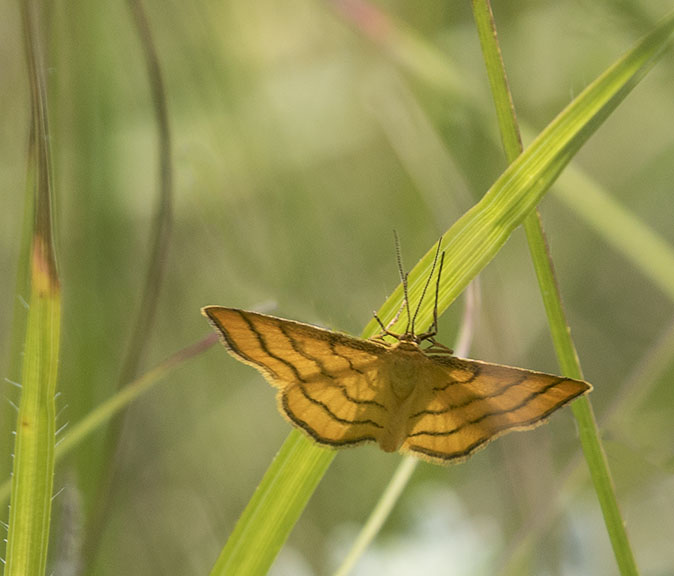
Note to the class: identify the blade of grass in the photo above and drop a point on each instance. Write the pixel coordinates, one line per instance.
(632, 390)
(102, 414)
(162, 223)
(33, 473)
(18, 329)
(561, 335)
(476, 237)
(469, 245)
(273, 511)
(422, 60)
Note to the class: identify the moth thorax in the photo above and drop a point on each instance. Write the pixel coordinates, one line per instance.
(404, 372)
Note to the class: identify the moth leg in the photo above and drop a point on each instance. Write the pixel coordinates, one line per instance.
(437, 348)
(385, 329)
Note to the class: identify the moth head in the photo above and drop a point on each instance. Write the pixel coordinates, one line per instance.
(409, 334)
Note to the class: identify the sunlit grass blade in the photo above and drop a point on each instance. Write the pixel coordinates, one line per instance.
(469, 245)
(33, 475)
(275, 507)
(102, 414)
(426, 62)
(19, 317)
(626, 400)
(478, 235)
(561, 335)
(33, 470)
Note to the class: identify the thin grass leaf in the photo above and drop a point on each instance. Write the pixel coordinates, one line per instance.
(561, 335)
(426, 62)
(33, 473)
(102, 414)
(274, 509)
(469, 245)
(33, 476)
(476, 237)
(626, 400)
(19, 317)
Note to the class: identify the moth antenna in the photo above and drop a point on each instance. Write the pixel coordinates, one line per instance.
(428, 281)
(434, 328)
(383, 328)
(403, 278)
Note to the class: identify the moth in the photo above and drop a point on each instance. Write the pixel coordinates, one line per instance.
(411, 395)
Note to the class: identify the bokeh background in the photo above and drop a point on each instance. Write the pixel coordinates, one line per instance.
(303, 133)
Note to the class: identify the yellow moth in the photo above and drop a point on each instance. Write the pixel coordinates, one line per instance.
(342, 390)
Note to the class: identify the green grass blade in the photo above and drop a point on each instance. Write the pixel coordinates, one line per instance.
(18, 329)
(624, 403)
(33, 471)
(163, 218)
(478, 235)
(102, 414)
(424, 61)
(469, 245)
(33, 477)
(561, 335)
(274, 508)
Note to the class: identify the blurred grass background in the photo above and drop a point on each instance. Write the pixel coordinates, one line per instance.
(298, 146)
